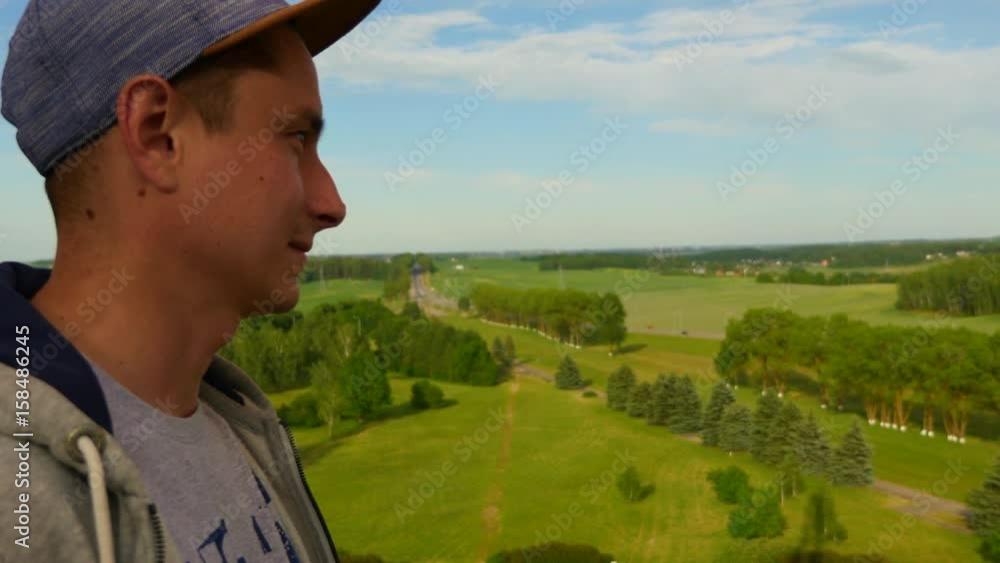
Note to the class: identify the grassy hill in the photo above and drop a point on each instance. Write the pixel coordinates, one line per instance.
(525, 475)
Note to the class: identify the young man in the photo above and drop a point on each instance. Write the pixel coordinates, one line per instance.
(178, 141)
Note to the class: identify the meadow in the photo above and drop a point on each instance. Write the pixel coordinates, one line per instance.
(450, 485)
(522, 478)
(696, 304)
(315, 293)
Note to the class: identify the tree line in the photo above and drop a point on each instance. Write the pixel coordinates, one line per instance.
(863, 255)
(346, 267)
(802, 276)
(966, 287)
(570, 316)
(345, 352)
(889, 369)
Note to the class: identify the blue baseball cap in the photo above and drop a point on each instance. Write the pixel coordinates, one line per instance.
(68, 59)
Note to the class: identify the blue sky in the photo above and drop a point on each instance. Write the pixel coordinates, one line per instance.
(697, 90)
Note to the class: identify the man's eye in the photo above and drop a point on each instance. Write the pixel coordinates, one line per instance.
(302, 135)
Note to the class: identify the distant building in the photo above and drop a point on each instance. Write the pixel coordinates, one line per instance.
(459, 267)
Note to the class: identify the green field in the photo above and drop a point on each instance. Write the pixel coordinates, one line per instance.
(506, 492)
(905, 458)
(696, 304)
(313, 293)
(540, 462)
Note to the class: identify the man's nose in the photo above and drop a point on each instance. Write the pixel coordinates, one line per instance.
(325, 205)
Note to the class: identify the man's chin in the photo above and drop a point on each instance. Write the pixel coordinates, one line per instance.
(277, 301)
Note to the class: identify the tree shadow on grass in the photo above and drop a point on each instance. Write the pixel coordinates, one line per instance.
(351, 427)
(630, 348)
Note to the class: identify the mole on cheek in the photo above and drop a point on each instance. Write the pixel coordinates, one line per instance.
(142, 192)
(90, 214)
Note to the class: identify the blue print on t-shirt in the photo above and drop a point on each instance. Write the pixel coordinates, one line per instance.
(213, 549)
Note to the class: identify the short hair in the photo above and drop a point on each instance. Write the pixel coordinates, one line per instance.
(208, 84)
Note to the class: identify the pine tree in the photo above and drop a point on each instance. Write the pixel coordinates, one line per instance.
(984, 505)
(790, 476)
(685, 417)
(783, 436)
(852, 463)
(568, 375)
(815, 447)
(768, 407)
(731, 484)
(722, 397)
(620, 384)
(661, 402)
(638, 401)
(734, 428)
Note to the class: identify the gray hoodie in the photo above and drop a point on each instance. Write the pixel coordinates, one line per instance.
(58, 502)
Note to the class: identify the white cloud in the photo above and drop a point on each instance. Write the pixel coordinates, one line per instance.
(759, 68)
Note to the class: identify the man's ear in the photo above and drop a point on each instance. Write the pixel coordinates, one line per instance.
(148, 109)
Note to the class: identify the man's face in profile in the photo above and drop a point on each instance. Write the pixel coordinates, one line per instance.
(251, 235)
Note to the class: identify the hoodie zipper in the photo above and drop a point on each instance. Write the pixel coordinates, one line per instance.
(158, 544)
(305, 485)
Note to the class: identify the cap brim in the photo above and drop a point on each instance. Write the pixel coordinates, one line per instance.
(320, 22)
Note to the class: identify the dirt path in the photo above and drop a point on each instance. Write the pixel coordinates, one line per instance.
(492, 515)
(925, 506)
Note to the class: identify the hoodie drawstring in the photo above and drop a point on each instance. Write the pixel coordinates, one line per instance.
(98, 498)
